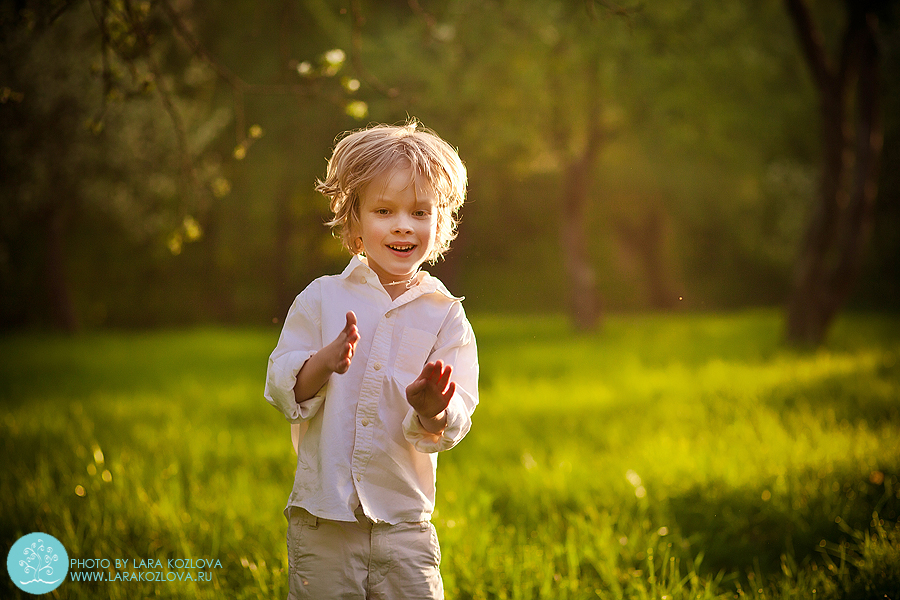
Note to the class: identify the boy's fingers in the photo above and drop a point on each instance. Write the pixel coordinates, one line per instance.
(444, 378)
(343, 366)
(451, 389)
(428, 371)
(438, 372)
(446, 372)
(351, 330)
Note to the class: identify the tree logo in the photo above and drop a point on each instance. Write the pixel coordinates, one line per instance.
(37, 563)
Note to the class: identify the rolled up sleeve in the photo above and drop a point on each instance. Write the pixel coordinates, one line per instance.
(300, 339)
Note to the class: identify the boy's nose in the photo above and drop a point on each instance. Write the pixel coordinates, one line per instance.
(402, 226)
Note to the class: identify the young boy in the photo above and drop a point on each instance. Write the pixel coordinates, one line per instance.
(380, 364)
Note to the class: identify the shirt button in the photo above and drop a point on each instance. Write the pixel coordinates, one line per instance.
(358, 478)
(377, 366)
(389, 315)
(365, 422)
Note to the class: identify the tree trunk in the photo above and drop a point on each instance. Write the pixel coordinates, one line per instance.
(584, 300)
(583, 297)
(831, 253)
(59, 296)
(284, 230)
(646, 241)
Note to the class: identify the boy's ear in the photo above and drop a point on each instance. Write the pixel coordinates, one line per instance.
(354, 239)
(356, 243)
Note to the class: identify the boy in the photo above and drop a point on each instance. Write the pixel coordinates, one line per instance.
(380, 364)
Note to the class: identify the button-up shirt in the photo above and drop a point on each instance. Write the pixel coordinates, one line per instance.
(364, 446)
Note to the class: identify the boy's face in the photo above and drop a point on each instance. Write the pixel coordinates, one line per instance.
(397, 224)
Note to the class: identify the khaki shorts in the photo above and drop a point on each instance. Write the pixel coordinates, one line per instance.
(361, 560)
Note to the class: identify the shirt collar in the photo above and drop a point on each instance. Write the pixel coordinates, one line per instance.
(428, 284)
(356, 263)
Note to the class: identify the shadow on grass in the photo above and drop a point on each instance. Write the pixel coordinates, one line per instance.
(808, 512)
(751, 529)
(867, 396)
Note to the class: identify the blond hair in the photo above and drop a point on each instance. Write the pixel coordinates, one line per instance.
(361, 156)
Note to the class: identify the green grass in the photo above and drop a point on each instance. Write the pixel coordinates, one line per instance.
(676, 457)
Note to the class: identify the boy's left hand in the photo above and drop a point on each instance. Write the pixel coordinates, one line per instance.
(430, 394)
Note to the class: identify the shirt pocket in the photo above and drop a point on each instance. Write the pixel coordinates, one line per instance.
(415, 348)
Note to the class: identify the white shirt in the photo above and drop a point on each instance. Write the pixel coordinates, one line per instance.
(364, 445)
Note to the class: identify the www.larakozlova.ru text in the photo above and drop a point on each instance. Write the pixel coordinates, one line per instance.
(141, 569)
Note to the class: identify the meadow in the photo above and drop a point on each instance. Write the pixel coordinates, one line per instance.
(665, 457)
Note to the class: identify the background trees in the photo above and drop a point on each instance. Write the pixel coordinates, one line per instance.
(159, 157)
(838, 230)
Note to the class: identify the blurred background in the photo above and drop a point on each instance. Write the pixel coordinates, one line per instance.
(158, 158)
(651, 172)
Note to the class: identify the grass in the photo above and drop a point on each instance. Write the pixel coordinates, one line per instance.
(677, 457)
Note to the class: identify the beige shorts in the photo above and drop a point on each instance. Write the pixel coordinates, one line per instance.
(362, 560)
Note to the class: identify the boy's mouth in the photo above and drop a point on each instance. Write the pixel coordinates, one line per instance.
(402, 248)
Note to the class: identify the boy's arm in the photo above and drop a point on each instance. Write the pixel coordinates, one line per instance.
(442, 424)
(430, 394)
(300, 340)
(333, 358)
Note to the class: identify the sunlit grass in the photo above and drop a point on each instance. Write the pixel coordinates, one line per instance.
(696, 437)
(667, 456)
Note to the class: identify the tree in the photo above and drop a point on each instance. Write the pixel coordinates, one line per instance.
(113, 112)
(528, 84)
(627, 153)
(578, 134)
(851, 136)
(82, 142)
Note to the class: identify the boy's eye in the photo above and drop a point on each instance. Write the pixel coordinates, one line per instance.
(421, 213)
(381, 211)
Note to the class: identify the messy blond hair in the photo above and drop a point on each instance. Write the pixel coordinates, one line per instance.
(361, 156)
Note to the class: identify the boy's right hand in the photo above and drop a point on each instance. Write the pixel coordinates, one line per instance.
(339, 353)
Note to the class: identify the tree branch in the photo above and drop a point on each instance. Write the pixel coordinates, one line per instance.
(238, 85)
(429, 19)
(104, 56)
(614, 9)
(199, 49)
(356, 52)
(187, 163)
(851, 46)
(811, 43)
(59, 11)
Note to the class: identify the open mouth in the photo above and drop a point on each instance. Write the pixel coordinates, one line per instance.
(402, 248)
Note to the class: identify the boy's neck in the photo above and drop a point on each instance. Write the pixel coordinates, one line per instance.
(397, 288)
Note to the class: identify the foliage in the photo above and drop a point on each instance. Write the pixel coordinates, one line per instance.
(117, 147)
(89, 146)
(701, 184)
(680, 457)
